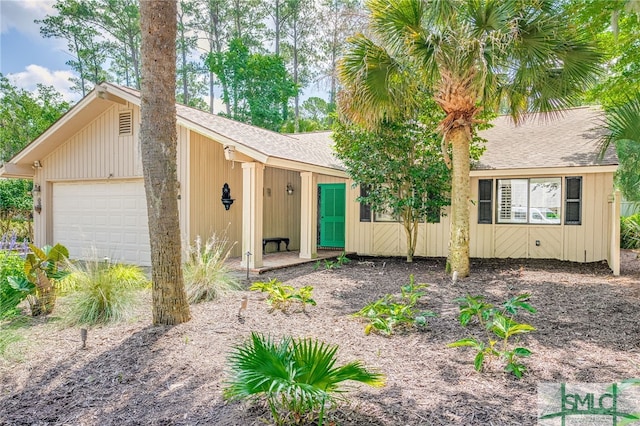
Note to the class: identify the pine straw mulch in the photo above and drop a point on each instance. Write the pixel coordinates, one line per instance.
(132, 373)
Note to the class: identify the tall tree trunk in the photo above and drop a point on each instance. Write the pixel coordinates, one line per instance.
(158, 138)
(458, 260)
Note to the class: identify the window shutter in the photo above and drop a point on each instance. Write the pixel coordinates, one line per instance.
(485, 200)
(365, 209)
(573, 210)
(125, 123)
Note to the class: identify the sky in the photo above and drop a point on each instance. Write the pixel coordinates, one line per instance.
(27, 58)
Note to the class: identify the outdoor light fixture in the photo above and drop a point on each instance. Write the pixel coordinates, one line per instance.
(289, 189)
(226, 196)
(37, 164)
(229, 152)
(36, 189)
(38, 206)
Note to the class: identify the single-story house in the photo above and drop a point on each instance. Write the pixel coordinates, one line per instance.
(539, 190)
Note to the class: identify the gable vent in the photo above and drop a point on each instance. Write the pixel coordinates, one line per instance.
(125, 123)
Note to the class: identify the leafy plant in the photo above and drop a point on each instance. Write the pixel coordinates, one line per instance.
(499, 326)
(333, 264)
(206, 276)
(102, 292)
(11, 264)
(283, 296)
(43, 267)
(630, 232)
(390, 312)
(298, 377)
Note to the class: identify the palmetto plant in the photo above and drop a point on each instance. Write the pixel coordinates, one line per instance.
(298, 377)
(469, 56)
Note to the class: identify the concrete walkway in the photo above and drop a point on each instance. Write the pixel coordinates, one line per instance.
(282, 259)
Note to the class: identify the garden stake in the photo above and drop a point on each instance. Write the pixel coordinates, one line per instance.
(248, 255)
(83, 336)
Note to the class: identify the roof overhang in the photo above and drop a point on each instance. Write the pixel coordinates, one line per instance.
(546, 171)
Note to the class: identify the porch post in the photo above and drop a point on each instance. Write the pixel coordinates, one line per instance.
(252, 212)
(308, 216)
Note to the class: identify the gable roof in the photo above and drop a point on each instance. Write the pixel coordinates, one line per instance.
(270, 148)
(568, 138)
(253, 141)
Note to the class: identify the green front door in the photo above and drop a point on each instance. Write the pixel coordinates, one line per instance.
(332, 214)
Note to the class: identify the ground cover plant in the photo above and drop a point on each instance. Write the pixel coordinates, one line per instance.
(497, 325)
(630, 232)
(282, 297)
(11, 264)
(391, 312)
(132, 373)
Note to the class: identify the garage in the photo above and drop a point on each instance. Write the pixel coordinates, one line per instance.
(108, 218)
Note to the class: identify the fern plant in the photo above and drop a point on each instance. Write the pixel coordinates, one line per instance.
(206, 276)
(297, 377)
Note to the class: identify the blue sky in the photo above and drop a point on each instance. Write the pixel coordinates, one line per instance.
(27, 58)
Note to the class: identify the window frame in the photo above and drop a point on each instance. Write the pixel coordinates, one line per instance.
(528, 212)
(577, 201)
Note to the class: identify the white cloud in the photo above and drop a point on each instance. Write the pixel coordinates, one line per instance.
(20, 14)
(35, 74)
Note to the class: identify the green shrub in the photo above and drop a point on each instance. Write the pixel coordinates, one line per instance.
(283, 296)
(389, 313)
(499, 326)
(630, 232)
(298, 377)
(101, 292)
(11, 264)
(206, 276)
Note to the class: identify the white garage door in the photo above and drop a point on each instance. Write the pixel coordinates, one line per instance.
(105, 218)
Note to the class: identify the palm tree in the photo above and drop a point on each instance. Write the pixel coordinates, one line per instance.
(158, 136)
(473, 55)
(622, 130)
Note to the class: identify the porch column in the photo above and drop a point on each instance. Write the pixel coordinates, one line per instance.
(614, 250)
(252, 211)
(308, 216)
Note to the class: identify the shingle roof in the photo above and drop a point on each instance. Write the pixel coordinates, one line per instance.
(567, 139)
(316, 150)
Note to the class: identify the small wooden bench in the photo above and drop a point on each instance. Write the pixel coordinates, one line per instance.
(276, 240)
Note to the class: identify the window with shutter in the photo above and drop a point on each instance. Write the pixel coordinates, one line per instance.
(573, 200)
(485, 200)
(365, 209)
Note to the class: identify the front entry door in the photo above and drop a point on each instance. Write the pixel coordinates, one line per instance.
(332, 214)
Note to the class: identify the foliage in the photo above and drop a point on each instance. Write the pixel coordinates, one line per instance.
(206, 276)
(471, 56)
(630, 232)
(331, 264)
(11, 265)
(282, 296)
(43, 267)
(298, 377)
(15, 202)
(390, 313)
(24, 116)
(401, 167)
(10, 242)
(499, 326)
(102, 292)
(259, 86)
(622, 130)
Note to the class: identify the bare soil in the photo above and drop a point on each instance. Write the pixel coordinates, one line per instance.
(133, 373)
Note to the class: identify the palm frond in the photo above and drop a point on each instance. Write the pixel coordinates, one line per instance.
(622, 125)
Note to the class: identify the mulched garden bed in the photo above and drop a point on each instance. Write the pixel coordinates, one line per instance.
(132, 373)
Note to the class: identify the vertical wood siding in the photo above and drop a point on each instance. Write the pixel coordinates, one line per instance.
(209, 171)
(579, 243)
(281, 211)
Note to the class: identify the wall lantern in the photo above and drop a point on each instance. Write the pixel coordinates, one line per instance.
(226, 196)
(229, 152)
(289, 189)
(38, 206)
(37, 164)
(36, 189)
